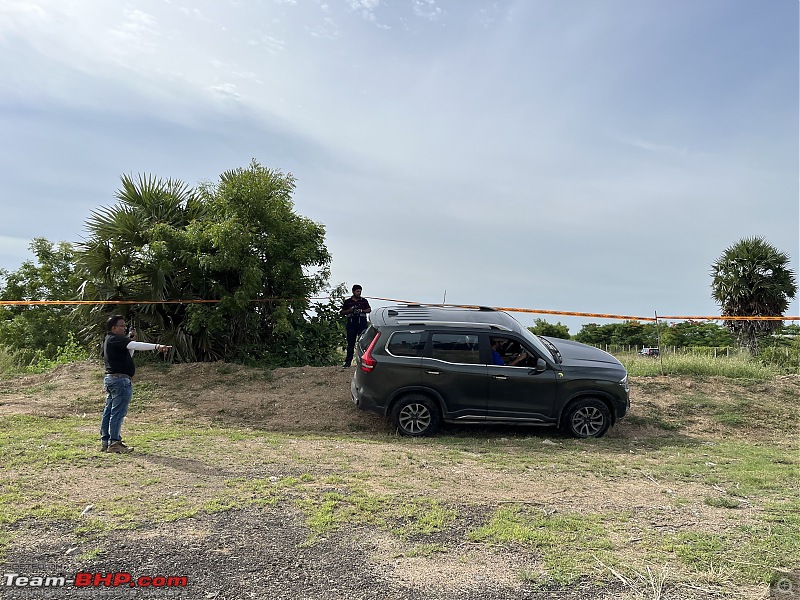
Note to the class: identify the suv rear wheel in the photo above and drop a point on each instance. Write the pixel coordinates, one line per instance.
(587, 418)
(416, 415)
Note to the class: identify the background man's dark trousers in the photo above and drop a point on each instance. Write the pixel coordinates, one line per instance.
(353, 331)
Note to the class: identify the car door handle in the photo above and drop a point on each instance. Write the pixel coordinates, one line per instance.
(433, 372)
(499, 376)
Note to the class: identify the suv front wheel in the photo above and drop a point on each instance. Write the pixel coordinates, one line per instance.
(416, 415)
(587, 418)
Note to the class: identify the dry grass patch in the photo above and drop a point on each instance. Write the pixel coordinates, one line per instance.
(696, 479)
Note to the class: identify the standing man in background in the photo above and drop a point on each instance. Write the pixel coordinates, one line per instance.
(356, 309)
(118, 352)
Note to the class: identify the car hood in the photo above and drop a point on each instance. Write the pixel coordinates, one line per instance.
(577, 354)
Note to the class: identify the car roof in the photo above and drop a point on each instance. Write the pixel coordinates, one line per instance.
(423, 314)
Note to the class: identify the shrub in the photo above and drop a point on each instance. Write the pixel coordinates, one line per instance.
(70, 352)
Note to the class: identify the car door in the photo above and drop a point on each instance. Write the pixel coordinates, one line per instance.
(452, 367)
(521, 392)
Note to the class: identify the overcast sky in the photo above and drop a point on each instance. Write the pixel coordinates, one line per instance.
(576, 155)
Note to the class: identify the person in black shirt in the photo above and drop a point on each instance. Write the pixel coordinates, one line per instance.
(356, 309)
(118, 352)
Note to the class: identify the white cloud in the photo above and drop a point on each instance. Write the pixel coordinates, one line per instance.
(196, 14)
(366, 8)
(273, 45)
(20, 9)
(544, 127)
(667, 149)
(488, 15)
(327, 29)
(427, 9)
(139, 32)
(364, 4)
(227, 90)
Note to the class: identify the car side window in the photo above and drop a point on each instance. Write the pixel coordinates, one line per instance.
(455, 348)
(406, 343)
(510, 352)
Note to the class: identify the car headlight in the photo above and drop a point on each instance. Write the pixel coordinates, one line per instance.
(624, 383)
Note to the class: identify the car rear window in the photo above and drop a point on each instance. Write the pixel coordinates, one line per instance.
(366, 338)
(455, 348)
(406, 343)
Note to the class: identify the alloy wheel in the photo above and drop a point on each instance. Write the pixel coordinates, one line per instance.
(415, 418)
(587, 421)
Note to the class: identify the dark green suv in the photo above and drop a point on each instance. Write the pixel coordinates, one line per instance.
(420, 365)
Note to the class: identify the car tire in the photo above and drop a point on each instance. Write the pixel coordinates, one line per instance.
(416, 416)
(587, 418)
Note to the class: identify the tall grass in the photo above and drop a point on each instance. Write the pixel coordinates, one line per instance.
(70, 352)
(735, 366)
(685, 361)
(8, 366)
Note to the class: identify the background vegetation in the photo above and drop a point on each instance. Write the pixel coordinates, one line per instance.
(238, 245)
(36, 333)
(237, 242)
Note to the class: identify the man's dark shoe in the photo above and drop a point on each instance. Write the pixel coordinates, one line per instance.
(103, 446)
(119, 448)
(346, 365)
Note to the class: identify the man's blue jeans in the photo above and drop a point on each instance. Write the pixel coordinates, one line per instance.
(119, 391)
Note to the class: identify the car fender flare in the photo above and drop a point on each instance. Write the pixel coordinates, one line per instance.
(415, 389)
(602, 396)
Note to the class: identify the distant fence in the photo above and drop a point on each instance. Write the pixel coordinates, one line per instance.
(780, 356)
(726, 351)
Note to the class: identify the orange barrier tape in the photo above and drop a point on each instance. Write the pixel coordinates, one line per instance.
(729, 318)
(525, 310)
(594, 315)
(504, 308)
(579, 314)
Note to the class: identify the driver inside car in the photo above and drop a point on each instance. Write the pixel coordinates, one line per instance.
(497, 359)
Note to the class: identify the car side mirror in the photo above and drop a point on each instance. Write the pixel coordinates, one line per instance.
(540, 365)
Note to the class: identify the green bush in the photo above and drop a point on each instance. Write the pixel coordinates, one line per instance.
(70, 352)
(31, 332)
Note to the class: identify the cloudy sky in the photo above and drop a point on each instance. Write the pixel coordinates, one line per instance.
(581, 155)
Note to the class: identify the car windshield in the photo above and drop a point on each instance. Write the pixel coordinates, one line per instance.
(540, 345)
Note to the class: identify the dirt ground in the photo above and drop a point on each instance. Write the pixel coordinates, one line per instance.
(313, 399)
(263, 552)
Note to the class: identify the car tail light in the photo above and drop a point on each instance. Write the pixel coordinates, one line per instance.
(367, 361)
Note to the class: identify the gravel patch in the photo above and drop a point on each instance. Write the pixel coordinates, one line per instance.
(257, 553)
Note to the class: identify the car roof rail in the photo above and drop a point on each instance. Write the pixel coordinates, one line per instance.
(464, 324)
(445, 306)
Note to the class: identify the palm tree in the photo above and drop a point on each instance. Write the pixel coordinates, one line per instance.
(752, 279)
(128, 257)
(236, 244)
